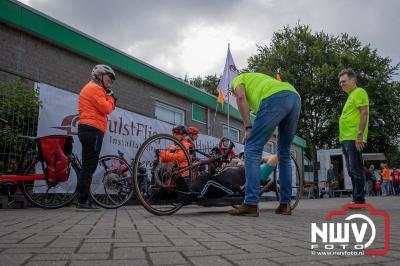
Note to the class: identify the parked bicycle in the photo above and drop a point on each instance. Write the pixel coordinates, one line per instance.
(47, 173)
(158, 186)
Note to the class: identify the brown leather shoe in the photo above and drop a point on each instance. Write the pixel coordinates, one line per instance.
(245, 210)
(284, 208)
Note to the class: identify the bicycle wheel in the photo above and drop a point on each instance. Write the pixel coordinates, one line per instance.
(297, 184)
(40, 195)
(112, 183)
(154, 182)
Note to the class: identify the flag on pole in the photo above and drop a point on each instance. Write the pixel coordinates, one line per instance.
(220, 98)
(224, 86)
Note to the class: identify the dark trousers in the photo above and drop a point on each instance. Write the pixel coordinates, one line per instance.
(91, 139)
(354, 163)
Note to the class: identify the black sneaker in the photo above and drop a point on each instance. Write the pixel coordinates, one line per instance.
(87, 207)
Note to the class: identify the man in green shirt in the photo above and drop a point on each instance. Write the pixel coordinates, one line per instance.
(277, 104)
(353, 131)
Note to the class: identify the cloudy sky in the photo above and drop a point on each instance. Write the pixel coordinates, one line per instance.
(191, 36)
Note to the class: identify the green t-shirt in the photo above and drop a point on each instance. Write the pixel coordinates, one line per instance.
(350, 119)
(259, 86)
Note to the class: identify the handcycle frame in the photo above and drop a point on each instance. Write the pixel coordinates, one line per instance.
(227, 200)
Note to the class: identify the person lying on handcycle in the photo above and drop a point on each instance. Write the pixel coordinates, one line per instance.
(232, 179)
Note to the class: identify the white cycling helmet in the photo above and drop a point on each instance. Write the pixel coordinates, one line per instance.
(100, 70)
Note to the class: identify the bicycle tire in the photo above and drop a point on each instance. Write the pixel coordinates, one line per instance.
(298, 185)
(151, 197)
(54, 198)
(116, 179)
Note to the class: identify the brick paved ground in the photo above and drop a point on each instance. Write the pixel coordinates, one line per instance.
(193, 236)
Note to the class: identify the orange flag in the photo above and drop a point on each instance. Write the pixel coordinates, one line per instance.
(220, 98)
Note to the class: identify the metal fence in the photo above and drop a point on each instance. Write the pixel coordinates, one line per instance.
(19, 112)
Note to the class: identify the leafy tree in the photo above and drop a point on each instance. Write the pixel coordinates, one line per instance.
(311, 62)
(19, 106)
(208, 83)
(196, 81)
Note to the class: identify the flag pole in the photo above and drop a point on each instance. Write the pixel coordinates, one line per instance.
(215, 116)
(228, 93)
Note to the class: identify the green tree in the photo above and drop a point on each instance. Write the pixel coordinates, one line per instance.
(311, 62)
(208, 83)
(19, 106)
(196, 81)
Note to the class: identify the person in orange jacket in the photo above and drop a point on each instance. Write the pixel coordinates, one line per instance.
(175, 155)
(96, 102)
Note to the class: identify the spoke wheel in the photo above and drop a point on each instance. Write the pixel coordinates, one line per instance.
(296, 187)
(39, 193)
(155, 180)
(112, 183)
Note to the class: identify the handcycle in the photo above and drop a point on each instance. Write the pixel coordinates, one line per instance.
(156, 187)
(45, 186)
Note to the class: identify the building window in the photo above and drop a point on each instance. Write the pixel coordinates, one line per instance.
(199, 113)
(233, 133)
(269, 147)
(169, 114)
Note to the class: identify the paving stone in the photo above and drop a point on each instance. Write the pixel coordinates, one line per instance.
(13, 259)
(95, 248)
(211, 261)
(47, 263)
(167, 258)
(128, 253)
(193, 236)
(111, 262)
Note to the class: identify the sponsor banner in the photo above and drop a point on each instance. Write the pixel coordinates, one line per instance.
(126, 130)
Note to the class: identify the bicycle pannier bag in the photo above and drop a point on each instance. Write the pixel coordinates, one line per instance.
(55, 151)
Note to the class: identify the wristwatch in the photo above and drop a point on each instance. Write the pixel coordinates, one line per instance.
(359, 133)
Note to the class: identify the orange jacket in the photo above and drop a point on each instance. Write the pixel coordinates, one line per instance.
(94, 105)
(175, 154)
(385, 173)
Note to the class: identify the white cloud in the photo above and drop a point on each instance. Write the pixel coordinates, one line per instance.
(190, 37)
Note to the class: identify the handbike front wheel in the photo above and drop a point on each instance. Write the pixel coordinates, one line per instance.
(155, 180)
(41, 195)
(112, 183)
(296, 187)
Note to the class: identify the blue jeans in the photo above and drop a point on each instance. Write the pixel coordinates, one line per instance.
(281, 109)
(354, 164)
(385, 188)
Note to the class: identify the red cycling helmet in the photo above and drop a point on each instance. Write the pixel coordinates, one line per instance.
(193, 130)
(180, 129)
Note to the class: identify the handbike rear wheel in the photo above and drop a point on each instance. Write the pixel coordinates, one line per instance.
(154, 183)
(40, 195)
(297, 184)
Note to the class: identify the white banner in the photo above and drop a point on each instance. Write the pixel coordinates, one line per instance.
(126, 130)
